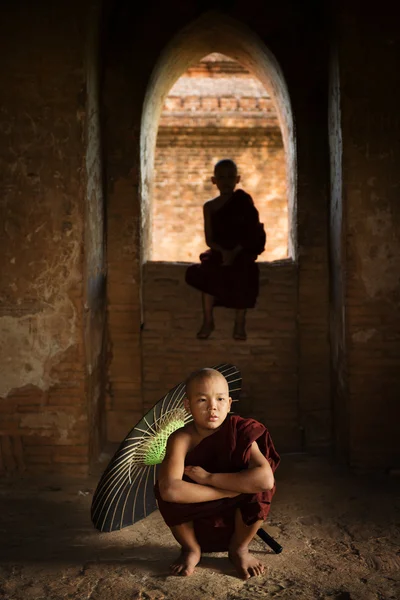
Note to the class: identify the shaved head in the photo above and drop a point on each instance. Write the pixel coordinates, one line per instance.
(225, 163)
(201, 375)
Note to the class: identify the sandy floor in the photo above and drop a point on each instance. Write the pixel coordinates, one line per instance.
(340, 533)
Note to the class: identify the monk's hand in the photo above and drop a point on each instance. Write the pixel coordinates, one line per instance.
(199, 475)
(227, 258)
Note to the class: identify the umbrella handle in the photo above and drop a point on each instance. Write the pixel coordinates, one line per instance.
(277, 548)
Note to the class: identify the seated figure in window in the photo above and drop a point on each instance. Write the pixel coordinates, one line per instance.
(228, 274)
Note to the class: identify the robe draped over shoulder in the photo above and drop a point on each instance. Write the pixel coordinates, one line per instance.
(225, 451)
(236, 223)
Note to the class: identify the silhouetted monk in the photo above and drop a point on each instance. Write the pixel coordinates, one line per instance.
(216, 481)
(228, 274)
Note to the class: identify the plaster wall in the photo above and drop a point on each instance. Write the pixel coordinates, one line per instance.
(43, 411)
(371, 152)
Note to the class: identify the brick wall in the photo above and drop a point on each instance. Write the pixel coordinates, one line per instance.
(337, 260)
(44, 421)
(123, 402)
(184, 185)
(43, 404)
(371, 154)
(216, 110)
(267, 360)
(308, 317)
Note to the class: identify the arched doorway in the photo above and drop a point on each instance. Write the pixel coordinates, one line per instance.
(170, 310)
(214, 32)
(216, 109)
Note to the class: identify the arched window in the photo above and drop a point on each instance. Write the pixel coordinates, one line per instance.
(216, 109)
(212, 33)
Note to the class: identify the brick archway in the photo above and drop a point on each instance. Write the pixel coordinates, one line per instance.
(213, 32)
(152, 315)
(216, 109)
(170, 309)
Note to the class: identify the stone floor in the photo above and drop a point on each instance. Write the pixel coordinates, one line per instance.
(340, 533)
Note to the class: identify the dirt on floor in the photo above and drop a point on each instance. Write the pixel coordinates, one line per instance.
(340, 534)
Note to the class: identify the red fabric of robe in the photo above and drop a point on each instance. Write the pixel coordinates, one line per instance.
(225, 451)
(236, 223)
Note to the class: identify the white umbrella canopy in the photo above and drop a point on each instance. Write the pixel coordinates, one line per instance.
(125, 493)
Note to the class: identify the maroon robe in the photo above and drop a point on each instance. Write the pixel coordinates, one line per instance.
(225, 451)
(233, 286)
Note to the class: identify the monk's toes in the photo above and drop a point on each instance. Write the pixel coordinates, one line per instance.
(257, 570)
(239, 334)
(176, 568)
(244, 574)
(205, 332)
(202, 336)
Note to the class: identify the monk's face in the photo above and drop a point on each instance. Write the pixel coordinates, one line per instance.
(225, 178)
(208, 401)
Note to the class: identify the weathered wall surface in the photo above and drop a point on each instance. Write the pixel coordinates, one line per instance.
(371, 155)
(95, 337)
(337, 239)
(123, 98)
(43, 419)
(53, 269)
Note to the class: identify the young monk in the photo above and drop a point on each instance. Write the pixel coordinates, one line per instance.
(216, 481)
(228, 274)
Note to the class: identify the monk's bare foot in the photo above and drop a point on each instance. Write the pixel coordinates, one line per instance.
(186, 562)
(245, 564)
(239, 332)
(205, 330)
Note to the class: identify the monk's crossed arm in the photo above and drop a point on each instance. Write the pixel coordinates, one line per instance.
(172, 487)
(258, 477)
